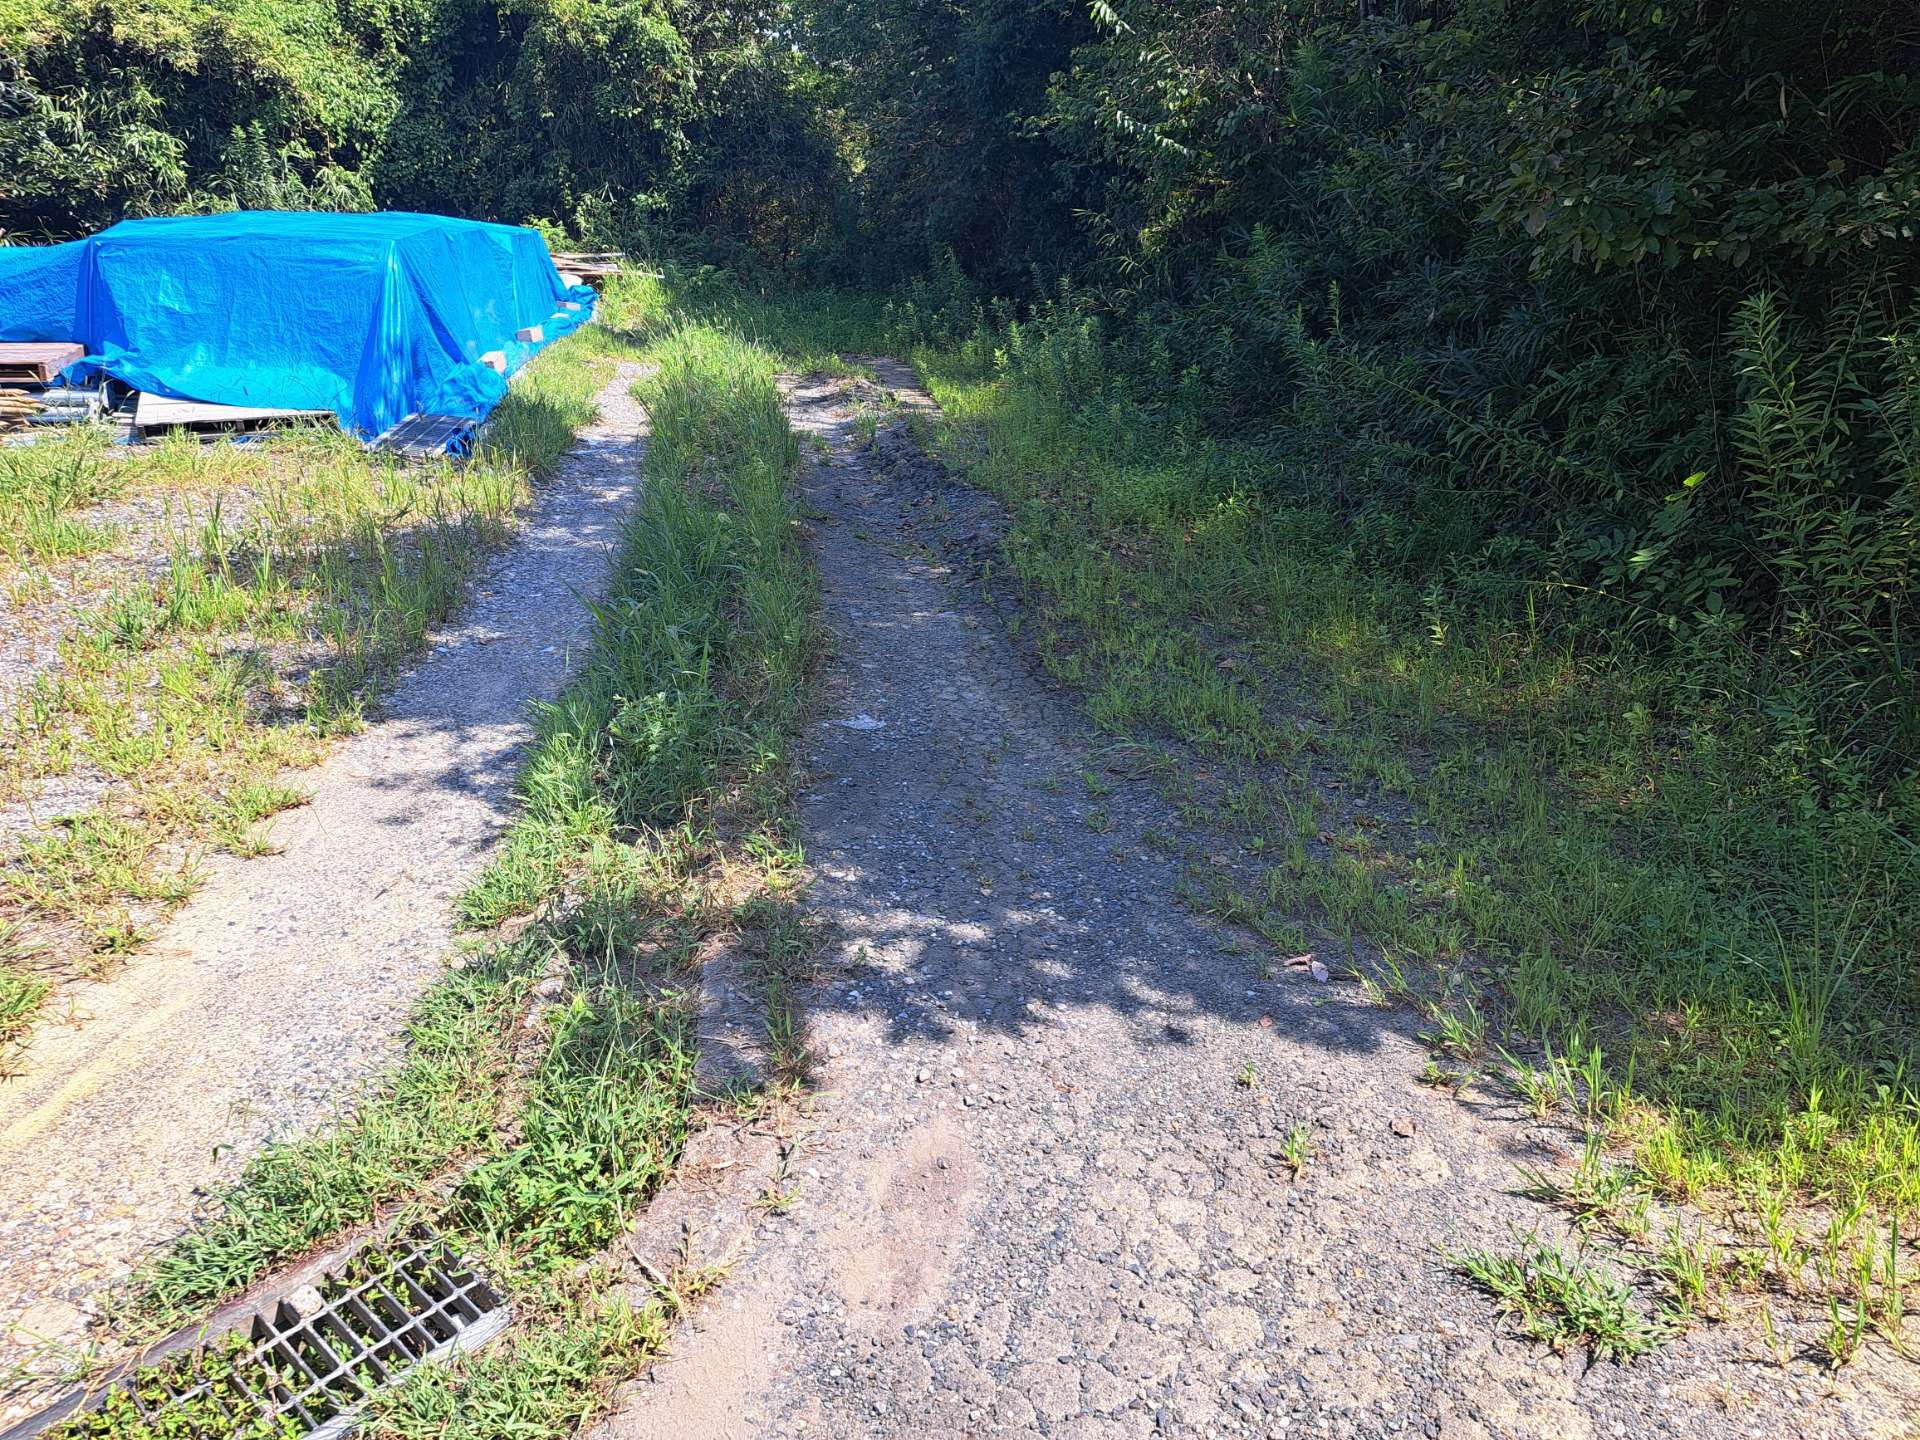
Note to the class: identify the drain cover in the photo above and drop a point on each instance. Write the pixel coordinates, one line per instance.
(420, 437)
(304, 1362)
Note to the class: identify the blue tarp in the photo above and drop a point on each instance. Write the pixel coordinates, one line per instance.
(40, 291)
(374, 317)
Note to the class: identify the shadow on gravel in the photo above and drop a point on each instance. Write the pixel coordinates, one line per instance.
(968, 822)
(990, 859)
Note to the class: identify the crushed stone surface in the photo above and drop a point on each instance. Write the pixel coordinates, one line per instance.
(284, 983)
(1037, 1197)
(37, 615)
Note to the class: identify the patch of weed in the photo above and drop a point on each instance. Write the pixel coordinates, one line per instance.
(1560, 1299)
(653, 820)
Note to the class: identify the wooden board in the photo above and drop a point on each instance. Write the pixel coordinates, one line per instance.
(151, 411)
(37, 361)
(595, 269)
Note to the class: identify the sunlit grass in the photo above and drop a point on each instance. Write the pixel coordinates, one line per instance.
(300, 571)
(654, 820)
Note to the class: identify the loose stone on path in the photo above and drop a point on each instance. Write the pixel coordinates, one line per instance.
(284, 983)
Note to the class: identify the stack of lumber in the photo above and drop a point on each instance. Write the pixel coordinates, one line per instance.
(17, 407)
(27, 392)
(51, 405)
(593, 267)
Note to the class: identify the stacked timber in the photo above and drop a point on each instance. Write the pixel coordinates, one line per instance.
(595, 268)
(50, 405)
(17, 407)
(36, 362)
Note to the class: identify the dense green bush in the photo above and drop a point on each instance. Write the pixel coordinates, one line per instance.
(1618, 296)
(933, 100)
(1615, 299)
(111, 109)
(611, 119)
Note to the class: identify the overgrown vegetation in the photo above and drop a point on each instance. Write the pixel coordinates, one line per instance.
(1487, 435)
(1563, 1300)
(299, 572)
(654, 823)
(608, 117)
(1489, 814)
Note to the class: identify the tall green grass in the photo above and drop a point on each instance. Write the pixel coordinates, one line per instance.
(703, 640)
(653, 815)
(40, 488)
(20, 997)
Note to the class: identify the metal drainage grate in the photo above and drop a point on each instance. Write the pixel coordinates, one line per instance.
(314, 1356)
(420, 437)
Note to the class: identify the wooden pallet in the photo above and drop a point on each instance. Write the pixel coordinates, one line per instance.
(157, 412)
(36, 362)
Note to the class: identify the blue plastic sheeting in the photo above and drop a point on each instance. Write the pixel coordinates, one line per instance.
(39, 291)
(374, 317)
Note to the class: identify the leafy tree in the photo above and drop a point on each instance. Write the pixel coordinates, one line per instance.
(116, 109)
(938, 99)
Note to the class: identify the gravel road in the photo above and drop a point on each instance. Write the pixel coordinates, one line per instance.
(283, 983)
(1036, 1197)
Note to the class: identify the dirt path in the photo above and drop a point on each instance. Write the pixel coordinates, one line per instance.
(285, 980)
(1037, 1198)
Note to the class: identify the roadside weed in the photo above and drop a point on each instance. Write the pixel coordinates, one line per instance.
(20, 995)
(1543, 1089)
(1593, 1192)
(1691, 1270)
(1846, 1328)
(1458, 1032)
(548, 1083)
(1562, 1300)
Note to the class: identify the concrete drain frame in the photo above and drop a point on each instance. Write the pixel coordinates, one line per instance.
(300, 1361)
